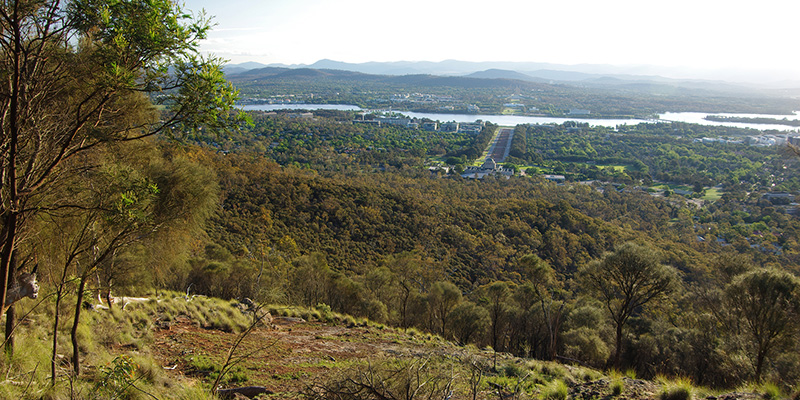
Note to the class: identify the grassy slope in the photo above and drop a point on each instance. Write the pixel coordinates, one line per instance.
(174, 347)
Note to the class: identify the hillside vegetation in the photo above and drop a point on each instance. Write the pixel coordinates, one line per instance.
(175, 347)
(313, 256)
(499, 264)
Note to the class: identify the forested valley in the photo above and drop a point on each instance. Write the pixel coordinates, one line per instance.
(354, 220)
(665, 250)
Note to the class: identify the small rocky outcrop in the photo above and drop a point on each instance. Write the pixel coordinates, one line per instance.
(736, 396)
(246, 392)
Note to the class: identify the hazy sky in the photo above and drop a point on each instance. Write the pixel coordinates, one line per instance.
(702, 34)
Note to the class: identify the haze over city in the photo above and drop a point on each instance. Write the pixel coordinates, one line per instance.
(680, 39)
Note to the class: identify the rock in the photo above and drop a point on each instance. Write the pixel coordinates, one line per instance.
(248, 392)
(739, 396)
(163, 325)
(288, 320)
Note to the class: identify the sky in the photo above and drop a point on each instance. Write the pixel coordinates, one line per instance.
(711, 37)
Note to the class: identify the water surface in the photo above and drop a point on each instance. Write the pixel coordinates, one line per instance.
(512, 120)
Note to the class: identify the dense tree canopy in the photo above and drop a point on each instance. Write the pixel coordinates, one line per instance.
(361, 203)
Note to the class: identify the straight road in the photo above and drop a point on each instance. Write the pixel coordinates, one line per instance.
(501, 144)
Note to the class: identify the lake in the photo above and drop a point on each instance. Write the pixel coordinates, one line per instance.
(698, 118)
(512, 120)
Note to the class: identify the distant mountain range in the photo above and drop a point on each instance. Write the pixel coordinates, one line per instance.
(582, 74)
(274, 74)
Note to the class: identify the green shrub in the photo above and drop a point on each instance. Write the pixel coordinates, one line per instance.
(325, 311)
(586, 344)
(196, 393)
(115, 378)
(315, 315)
(149, 370)
(349, 321)
(675, 393)
(590, 375)
(203, 364)
(235, 375)
(556, 390)
(553, 370)
(678, 389)
(222, 322)
(617, 386)
(206, 366)
(770, 391)
(413, 332)
(513, 370)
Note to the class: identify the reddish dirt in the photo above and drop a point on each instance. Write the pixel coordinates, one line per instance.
(289, 356)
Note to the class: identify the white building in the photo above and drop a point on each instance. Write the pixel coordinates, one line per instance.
(489, 167)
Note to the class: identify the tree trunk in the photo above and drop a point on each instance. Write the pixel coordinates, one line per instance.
(618, 348)
(553, 325)
(404, 308)
(109, 300)
(10, 320)
(762, 353)
(54, 355)
(11, 204)
(10, 315)
(6, 264)
(495, 338)
(76, 357)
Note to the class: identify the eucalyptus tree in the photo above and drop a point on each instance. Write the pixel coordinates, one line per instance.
(766, 305)
(543, 283)
(626, 280)
(443, 297)
(468, 322)
(80, 75)
(136, 196)
(496, 303)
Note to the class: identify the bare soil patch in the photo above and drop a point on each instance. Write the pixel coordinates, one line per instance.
(289, 356)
